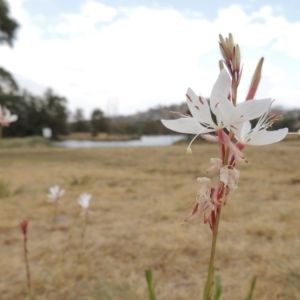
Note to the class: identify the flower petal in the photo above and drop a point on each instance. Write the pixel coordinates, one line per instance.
(224, 111)
(199, 107)
(222, 86)
(264, 137)
(250, 110)
(241, 130)
(185, 125)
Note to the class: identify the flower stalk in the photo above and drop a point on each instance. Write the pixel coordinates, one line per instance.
(84, 201)
(24, 225)
(227, 123)
(208, 292)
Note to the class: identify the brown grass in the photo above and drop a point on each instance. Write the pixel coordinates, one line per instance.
(140, 195)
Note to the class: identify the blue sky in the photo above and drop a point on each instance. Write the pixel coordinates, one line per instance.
(125, 56)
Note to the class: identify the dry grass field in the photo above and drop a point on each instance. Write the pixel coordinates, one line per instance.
(140, 196)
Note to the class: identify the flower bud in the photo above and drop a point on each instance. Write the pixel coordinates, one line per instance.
(236, 60)
(23, 226)
(230, 43)
(255, 80)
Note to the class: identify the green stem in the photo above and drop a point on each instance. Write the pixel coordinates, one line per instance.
(208, 292)
(209, 283)
(79, 257)
(85, 224)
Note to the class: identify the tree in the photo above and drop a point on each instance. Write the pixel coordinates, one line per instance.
(98, 122)
(54, 113)
(80, 124)
(35, 113)
(17, 106)
(8, 26)
(8, 85)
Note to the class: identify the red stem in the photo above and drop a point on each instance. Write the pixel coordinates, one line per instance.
(27, 264)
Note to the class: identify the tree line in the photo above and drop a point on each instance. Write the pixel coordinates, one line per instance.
(50, 111)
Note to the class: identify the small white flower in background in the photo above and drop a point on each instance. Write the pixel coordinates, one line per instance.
(55, 193)
(84, 201)
(230, 177)
(6, 117)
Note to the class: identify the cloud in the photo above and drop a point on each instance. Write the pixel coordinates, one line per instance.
(93, 13)
(146, 56)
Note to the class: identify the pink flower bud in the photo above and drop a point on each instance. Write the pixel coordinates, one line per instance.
(23, 225)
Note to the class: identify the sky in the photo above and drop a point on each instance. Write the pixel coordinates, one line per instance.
(126, 56)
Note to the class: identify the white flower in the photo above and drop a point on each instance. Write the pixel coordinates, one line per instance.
(6, 117)
(55, 193)
(258, 135)
(229, 177)
(84, 201)
(227, 115)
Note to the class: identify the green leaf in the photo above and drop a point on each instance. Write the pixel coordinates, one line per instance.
(250, 294)
(148, 274)
(218, 289)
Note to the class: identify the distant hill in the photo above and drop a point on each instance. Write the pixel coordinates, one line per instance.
(167, 112)
(148, 122)
(157, 113)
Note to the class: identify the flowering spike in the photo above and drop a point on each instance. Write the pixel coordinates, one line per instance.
(255, 80)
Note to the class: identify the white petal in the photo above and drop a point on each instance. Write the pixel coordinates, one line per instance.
(245, 128)
(241, 130)
(185, 125)
(199, 107)
(54, 189)
(222, 86)
(251, 109)
(264, 137)
(224, 110)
